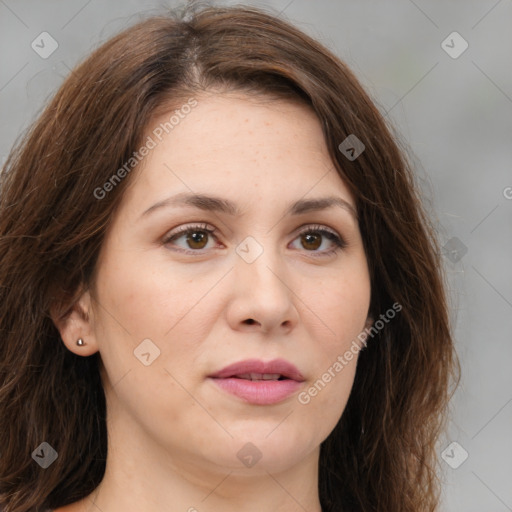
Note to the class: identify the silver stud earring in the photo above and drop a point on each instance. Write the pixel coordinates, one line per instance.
(80, 342)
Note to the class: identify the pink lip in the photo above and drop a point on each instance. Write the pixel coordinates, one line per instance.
(261, 392)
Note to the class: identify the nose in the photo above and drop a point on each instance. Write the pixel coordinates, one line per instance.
(263, 299)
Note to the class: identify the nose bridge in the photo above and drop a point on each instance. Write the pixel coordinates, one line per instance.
(257, 261)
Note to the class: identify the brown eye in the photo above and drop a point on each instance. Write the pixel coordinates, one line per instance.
(319, 241)
(311, 241)
(191, 238)
(197, 239)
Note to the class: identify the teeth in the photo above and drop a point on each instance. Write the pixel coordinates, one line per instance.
(270, 376)
(259, 376)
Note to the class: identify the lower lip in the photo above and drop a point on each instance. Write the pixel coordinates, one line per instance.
(259, 392)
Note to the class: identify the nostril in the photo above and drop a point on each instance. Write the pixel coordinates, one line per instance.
(250, 321)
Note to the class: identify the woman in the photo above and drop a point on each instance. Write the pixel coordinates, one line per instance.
(218, 287)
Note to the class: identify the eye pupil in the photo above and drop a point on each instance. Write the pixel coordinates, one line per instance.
(311, 241)
(197, 239)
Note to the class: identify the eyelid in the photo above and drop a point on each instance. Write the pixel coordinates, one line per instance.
(184, 228)
(316, 227)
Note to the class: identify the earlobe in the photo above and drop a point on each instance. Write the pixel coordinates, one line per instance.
(76, 326)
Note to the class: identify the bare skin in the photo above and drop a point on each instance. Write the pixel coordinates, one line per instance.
(174, 434)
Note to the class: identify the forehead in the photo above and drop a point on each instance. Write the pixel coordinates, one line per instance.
(237, 145)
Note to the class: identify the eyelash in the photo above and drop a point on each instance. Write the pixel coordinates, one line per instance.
(338, 241)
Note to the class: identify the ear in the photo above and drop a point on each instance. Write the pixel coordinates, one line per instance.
(369, 322)
(77, 322)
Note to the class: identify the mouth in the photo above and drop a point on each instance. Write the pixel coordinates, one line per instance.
(260, 376)
(258, 382)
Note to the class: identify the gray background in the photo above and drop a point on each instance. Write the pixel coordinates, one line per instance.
(455, 115)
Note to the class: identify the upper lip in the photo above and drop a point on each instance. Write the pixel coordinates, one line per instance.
(281, 366)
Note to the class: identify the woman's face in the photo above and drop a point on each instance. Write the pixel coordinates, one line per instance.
(236, 240)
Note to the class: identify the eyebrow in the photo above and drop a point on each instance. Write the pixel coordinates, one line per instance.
(217, 204)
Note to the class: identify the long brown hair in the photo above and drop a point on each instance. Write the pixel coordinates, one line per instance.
(381, 455)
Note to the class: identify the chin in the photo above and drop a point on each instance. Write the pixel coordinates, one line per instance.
(270, 449)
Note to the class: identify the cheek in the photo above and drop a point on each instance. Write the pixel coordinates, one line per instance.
(342, 305)
(322, 402)
(150, 298)
(343, 308)
(141, 311)
(166, 306)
